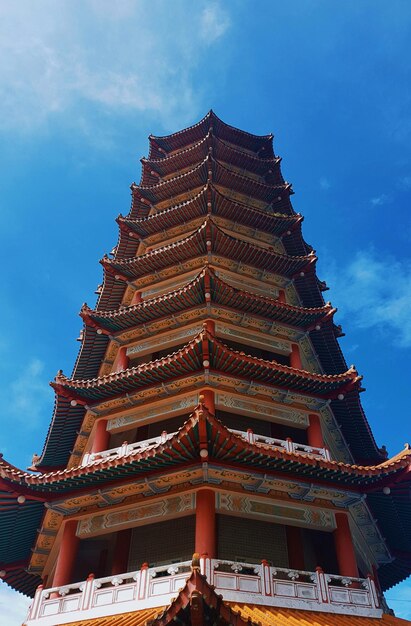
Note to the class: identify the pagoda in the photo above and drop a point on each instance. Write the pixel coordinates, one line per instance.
(208, 461)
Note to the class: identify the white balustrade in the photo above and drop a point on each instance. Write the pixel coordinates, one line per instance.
(236, 582)
(126, 449)
(275, 586)
(283, 444)
(322, 453)
(280, 444)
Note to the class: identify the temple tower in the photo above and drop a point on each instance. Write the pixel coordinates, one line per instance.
(210, 412)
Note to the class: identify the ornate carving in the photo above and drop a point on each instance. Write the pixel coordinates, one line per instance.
(160, 341)
(237, 281)
(258, 408)
(145, 412)
(239, 333)
(140, 347)
(133, 515)
(292, 296)
(250, 234)
(147, 394)
(266, 509)
(309, 357)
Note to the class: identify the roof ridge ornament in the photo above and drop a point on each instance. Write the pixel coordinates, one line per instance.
(195, 562)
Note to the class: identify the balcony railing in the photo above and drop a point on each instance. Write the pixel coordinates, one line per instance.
(126, 448)
(236, 582)
(285, 445)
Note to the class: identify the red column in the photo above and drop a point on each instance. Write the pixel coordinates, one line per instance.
(205, 540)
(281, 296)
(208, 400)
(101, 437)
(121, 362)
(295, 358)
(121, 551)
(67, 555)
(314, 432)
(344, 548)
(210, 326)
(295, 547)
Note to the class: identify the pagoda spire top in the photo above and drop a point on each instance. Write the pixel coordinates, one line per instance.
(169, 143)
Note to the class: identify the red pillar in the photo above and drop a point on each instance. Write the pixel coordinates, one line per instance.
(295, 548)
(210, 326)
(347, 563)
(205, 539)
(295, 358)
(208, 400)
(136, 297)
(281, 296)
(101, 437)
(67, 555)
(121, 362)
(121, 551)
(314, 432)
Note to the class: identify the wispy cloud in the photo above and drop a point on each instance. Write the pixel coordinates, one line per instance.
(214, 22)
(122, 56)
(405, 182)
(28, 395)
(13, 606)
(376, 292)
(380, 200)
(324, 183)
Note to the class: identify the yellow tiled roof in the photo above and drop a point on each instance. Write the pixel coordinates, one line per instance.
(136, 618)
(270, 616)
(266, 616)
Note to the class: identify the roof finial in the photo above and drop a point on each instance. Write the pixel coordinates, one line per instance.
(195, 562)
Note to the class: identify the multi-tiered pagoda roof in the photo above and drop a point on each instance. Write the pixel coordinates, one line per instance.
(210, 314)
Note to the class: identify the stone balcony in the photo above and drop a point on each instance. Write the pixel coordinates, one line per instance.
(285, 445)
(259, 584)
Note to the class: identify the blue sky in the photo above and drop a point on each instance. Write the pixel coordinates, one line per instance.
(82, 84)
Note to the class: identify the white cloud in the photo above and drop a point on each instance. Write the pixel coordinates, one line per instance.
(405, 182)
(214, 22)
(380, 200)
(125, 56)
(324, 183)
(13, 606)
(376, 292)
(28, 395)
